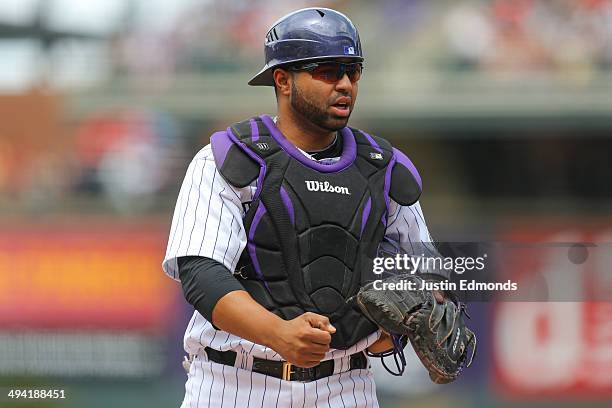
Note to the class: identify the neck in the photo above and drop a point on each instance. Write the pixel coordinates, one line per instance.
(303, 133)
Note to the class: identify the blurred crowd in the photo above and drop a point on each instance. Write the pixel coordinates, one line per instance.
(204, 36)
(490, 35)
(199, 36)
(530, 35)
(117, 160)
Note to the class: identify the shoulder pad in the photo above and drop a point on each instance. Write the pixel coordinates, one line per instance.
(375, 150)
(378, 143)
(232, 161)
(254, 138)
(406, 182)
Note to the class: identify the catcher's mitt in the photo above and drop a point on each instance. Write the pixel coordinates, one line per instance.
(436, 331)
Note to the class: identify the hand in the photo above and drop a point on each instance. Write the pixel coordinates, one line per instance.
(304, 340)
(384, 343)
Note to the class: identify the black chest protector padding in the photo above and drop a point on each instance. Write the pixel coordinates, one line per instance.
(239, 168)
(405, 186)
(236, 166)
(308, 251)
(405, 180)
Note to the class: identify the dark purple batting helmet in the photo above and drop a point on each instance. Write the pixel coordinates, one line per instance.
(313, 33)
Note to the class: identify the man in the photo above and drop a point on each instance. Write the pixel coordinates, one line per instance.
(275, 228)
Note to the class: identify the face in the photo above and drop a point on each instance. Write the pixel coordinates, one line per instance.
(327, 104)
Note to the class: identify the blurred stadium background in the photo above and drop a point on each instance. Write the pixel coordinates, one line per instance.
(504, 106)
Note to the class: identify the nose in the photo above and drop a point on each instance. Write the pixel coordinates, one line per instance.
(344, 84)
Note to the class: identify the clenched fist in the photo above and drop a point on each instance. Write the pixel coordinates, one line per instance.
(302, 341)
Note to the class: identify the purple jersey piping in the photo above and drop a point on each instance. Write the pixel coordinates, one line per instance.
(372, 141)
(349, 149)
(288, 204)
(261, 210)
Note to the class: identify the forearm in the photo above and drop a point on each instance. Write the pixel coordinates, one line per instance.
(238, 313)
(222, 300)
(218, 296)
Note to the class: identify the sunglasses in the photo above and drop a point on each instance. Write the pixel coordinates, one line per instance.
(331, 72)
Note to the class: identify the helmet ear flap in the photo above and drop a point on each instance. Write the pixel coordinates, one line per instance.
(301, 36)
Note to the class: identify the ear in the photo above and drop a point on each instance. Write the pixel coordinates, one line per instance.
(282, 81)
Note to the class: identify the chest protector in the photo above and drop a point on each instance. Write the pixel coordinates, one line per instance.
(313, 229)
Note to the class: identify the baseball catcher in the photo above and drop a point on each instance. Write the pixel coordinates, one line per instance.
(275, 227)
(434, 324)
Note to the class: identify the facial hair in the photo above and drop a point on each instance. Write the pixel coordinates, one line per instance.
(314, 114)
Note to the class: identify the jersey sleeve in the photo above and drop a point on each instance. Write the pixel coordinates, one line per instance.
(407, 231)
(207, 218)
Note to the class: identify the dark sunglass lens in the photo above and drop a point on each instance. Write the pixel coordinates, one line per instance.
(333, 72)
(326, 72)
(354, 72)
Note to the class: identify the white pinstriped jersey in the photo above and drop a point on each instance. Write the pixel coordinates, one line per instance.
(207, 222)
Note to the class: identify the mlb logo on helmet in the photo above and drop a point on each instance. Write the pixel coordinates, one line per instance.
(349, 50)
